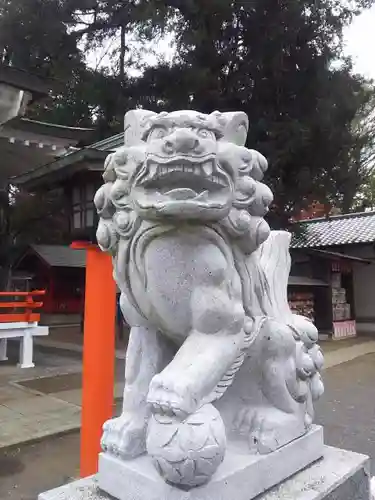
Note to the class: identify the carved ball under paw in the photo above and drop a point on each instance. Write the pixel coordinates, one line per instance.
(187, 452)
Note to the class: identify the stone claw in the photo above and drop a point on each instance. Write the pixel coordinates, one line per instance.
(166, 397)
(125, 436)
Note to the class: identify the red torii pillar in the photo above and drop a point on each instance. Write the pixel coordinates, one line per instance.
(98, 353)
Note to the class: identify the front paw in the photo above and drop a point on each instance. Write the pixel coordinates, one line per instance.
(272, 428)
(125, 436)
(169, 396)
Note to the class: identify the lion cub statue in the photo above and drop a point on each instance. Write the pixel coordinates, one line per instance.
(214, 352)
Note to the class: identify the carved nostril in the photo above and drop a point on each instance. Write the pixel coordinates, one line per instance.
(181, 141)
(168, 146)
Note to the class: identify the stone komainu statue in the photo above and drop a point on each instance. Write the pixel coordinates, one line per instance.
(214, 352)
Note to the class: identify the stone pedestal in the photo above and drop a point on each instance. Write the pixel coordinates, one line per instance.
(340, 475)
(241, 476)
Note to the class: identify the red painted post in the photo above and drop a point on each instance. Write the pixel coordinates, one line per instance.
(98, 354)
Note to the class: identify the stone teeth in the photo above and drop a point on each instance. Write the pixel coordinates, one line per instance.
(217, 180)
(153, 170)
(207, 168)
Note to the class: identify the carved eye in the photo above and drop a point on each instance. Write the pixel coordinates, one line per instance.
(157, 133)
(205, 133)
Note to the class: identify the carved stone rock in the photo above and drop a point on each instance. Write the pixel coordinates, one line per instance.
(214, 352)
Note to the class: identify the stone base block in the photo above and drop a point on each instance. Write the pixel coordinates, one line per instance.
(340, 475)
(241, 476)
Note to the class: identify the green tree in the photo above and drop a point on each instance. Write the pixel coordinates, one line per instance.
(355, 167)
(273, 60)
(46, 37)
(364, 199)
(364, 129)
(34, 37)
(277, 61)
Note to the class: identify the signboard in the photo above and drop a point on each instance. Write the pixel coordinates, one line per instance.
(344, 329)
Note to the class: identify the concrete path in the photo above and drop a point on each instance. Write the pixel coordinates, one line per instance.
(342, 351)
(70, 346)
(347, 411)
(42, 401)
(46, 400)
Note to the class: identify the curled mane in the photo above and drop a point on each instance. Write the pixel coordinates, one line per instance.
(244, 225)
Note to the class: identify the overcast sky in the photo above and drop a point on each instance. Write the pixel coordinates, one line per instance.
(360, 43)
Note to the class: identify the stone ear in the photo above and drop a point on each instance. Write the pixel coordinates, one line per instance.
(134, 124)
(236, 127)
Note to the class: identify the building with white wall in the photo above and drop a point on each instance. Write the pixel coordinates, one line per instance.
(349, 240)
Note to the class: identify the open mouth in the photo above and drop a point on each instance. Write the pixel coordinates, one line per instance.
(183, 179)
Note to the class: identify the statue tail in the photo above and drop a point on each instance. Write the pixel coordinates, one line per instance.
(264, 276)
(267, 271)
(265, 279)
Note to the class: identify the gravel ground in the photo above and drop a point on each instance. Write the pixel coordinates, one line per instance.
(347, 412)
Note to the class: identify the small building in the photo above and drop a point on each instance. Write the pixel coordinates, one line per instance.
(339, 252)
(28, 145)
(60, 271)
(79, 173)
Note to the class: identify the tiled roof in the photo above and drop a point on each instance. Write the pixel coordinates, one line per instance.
(336, 230)
(61, 256)
(109, 144)
(45, 174)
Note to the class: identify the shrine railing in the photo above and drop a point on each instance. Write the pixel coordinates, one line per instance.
(20, 306)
